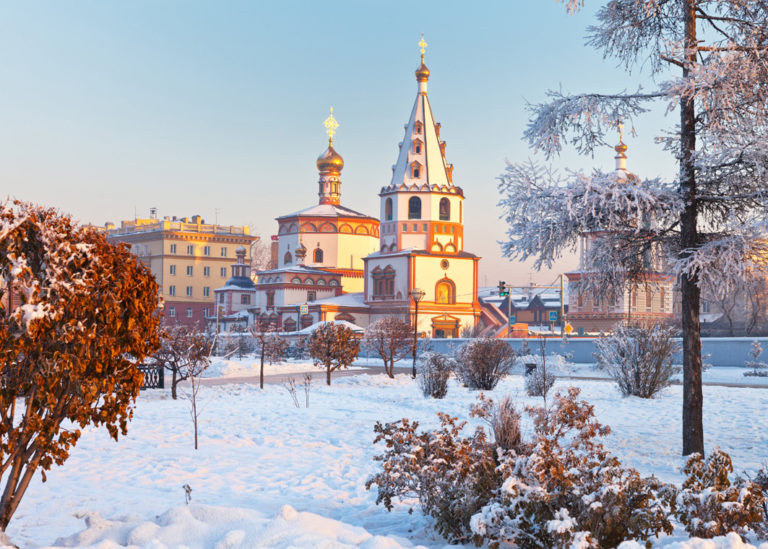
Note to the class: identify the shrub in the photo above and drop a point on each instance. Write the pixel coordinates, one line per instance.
(504, 421)
(481, 363)
(757, 365)
(434, 371)
(711, 505)
(540, 381)
(640, 359)
(392, 339)
(452, 476)
(333, 346)
(565, 490)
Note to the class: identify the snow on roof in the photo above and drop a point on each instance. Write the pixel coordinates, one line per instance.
(344, 300)
(326, 210)
(295, 269)
(311, 329)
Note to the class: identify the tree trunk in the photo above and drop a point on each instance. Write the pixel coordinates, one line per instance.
(693, 430)
(174, 382)
(328, 375)
(261, 370)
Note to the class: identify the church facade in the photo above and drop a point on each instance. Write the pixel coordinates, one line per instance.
(334, 263)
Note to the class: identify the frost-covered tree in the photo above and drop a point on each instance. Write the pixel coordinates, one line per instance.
(392, 339)
(270, 346)
(709, 57)
(77, 317)
(333, 346)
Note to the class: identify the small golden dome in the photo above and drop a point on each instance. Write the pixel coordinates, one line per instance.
(621, 148)
(422, 73)
(330, 160)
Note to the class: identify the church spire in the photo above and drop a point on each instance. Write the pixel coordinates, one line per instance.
(422, 73)
(621, 151)
(330, 164)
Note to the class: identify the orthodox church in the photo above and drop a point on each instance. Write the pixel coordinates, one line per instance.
(649, 302)
(334, 263)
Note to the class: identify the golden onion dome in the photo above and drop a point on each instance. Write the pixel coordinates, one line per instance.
(422, 73)
(330, 160)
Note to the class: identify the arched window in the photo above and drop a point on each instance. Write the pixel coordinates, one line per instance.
(417, 147)
(414, 207)
(445, 292)
(445, 209)
(417, 127)
(415, 170)
(287, 258)
(318, 255)
(388, 209)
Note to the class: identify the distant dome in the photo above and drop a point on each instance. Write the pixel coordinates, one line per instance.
(330, 161)
(422, 73)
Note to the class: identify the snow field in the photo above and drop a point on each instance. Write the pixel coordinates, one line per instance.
(259, 454)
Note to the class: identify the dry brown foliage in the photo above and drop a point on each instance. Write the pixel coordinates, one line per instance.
(333, 346)
(77, 315)
(181, 348)
(710, 504)
(482, 362)
(434, 372)
(271, 347)
(392, 339)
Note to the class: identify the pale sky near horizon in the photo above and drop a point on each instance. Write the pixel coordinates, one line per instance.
(110, 108)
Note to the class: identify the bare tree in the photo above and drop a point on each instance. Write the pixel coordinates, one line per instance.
(180, 346)
(271, 347)
(710, 220)
(195, 365)
(333, 346)
(261, 256)
(392, 339)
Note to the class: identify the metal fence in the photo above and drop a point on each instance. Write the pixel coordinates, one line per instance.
(153, 377)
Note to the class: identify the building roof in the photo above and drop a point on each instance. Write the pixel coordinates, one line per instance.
(326, 210)
(302, 269)
(344, 300)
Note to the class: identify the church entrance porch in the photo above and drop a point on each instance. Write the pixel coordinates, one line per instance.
(445, 326)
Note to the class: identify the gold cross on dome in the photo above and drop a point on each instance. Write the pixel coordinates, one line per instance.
(422, 44)
(620, 126)
(330, 126)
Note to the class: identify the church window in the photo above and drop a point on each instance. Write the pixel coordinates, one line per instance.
(661, 299)
(296, 280)
(452, 229)
(415, 228)
(417, 127)
(596, 301)
(384, 282)
(424, 227)
(320, 282)
(311, 296)
(287, 259)
(445, 209)
(415, 171)
(445, 292)
(309, 282)
(648, 297)
(318, 255)
(634, 298)
(417, 147)
(414, 207)
(333, 283)
(270, 299)
(388, 209)
(405, 227)
(245, 299)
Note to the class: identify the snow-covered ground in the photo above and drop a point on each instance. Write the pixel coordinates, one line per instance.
(268, 474)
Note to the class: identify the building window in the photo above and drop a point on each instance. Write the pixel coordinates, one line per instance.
(189, 291)
(189, 312)
(172, 311)
(223, 272)
(173, 248)
(318, 256)
(634, 297)
(270, 300)
(661, 299)
(221, 297)
(445, 292)
(206, 250)
(206, 312)
(414, 207)
(417, 127)
(596, 301)
(648, 297)
(207, 291)
(424, 227)
(388, 209)
(223, 251)
(415, 170)
(206, 271)
(415, 228)
(172, 290)
(445, 209)
(405, 227)
(173, 269)
(383, 281)
(287, 259)
(191, 250)
(190, 270)
(311, 296)
(245, 299)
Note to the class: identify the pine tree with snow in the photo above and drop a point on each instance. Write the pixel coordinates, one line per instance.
(709, 223)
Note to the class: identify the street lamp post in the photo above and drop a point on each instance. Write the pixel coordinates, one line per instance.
(416, 294)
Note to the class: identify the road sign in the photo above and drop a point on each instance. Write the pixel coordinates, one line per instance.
(553, 316)
(304, 309)
(512, 320)
(568, 328)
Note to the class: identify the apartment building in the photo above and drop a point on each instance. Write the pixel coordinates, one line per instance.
(189, 258)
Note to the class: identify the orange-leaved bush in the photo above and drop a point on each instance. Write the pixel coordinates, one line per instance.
(77, 315)
(333, 346)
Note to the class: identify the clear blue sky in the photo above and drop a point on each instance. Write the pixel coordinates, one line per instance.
(111, 107)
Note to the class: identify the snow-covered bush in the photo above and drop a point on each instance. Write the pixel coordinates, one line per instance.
(709, 504)
(565, 490)
(639, 359)
(539, 381)
(481, 363)
(757, 365)
(453, 476)
(434, 371)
